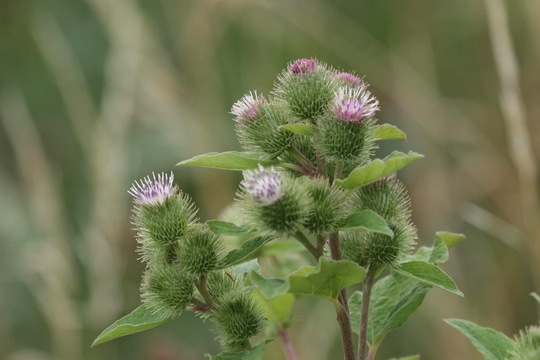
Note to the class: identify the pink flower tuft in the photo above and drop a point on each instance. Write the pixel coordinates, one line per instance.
(153, 191)
(350, 79)
(263, 184)
(248, 107)
(354, 104)
(302, 66)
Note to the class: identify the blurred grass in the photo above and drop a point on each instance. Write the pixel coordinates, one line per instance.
(96, 93)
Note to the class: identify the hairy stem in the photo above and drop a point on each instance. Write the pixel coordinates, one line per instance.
(366, 295)
(297, 154)
(286, 344)
(343, 308)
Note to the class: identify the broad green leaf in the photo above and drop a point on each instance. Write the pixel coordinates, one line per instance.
(450, 239)
(326, 279)
(230, 160)
(269, 288)
(428, 274)
(366, 220)
(535, 296)
(394, 299)
(245, 268)
(490, 343)
(282, 247)
(388, 132)
(254, 354)
(278, 309)
(377, 169)
(226, 228)
(404, 308)
(301, 129)
(439, 252)
(246, 251)
(138, 320)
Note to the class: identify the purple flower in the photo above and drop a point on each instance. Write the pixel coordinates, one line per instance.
(350, 79)
(354, 104)
(302, 66)
(263, 184)
(153, 191)
(248, 107)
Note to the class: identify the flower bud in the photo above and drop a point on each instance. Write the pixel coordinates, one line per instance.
(327, 210)
(345, 131)
(349, 79)
(273, 202)
(387, 197)
(527, 345)
(380, 249)
(307, 86)
(167, 291)
(237, 318)
(160, 215)
(200, 250)
(261, 134)
(352, 247)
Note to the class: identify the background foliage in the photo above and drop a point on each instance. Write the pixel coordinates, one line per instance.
(97, 93)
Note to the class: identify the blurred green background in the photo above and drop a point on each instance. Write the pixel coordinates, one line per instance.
(97, 93)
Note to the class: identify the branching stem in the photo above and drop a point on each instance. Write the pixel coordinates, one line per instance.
(203, 290)
(366, 296)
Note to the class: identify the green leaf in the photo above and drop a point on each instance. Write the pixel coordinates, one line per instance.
(282, 247)
(366, 220)
(246, 251)
(326, 279)
(138, 320)
(377, 169)
(439, 252)
(394, 299)
(535, 296)
(269, 288)
(230, 160)
(388, 132)
(450, 239)
(226, 228)
(254, 354)
(492, 344)
(301, 129)
(428, 274)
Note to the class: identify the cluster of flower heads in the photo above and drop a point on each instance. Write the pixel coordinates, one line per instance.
(337, 114)
(180, 255)
(338, 106)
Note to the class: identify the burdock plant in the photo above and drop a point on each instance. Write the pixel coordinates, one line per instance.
(311, 178)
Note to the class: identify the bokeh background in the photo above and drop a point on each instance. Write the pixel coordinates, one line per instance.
(97, 93)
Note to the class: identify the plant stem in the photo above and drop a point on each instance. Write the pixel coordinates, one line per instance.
(337, 170)
(286, 344)
(372, 352)
(366, 295)
(297, 154)
(307, 244)
(203, 290)
(343, 309)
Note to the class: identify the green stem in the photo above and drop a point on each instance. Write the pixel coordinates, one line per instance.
(297, 154)
(343, 316)
(366, 296)
(372, 352)
(308, 245)
(203, 290)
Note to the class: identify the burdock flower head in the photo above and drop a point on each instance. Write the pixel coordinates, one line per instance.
(354, 105)
(302, 66)
(248, 107)
(264, 185)
(153, 191)
(350, 79)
